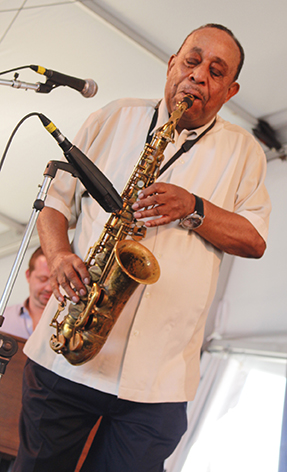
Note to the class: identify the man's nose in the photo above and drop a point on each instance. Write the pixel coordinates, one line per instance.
(198, 74)
(48, 287)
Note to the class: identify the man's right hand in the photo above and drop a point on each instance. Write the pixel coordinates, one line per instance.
(67, 269)
(69, 272)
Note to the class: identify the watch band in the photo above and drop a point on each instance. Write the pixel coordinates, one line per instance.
(198, 206)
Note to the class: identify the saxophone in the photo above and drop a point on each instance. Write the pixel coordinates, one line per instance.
(116, 265)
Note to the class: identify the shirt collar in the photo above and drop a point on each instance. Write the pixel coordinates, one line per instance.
(24, 312)
(24, 307)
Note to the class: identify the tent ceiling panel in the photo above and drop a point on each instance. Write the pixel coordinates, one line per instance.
(259, 25)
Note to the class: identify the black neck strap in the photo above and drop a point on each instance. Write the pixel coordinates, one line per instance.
(186, 146)
(152, 125)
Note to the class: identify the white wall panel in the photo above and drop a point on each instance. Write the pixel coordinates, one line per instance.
(255, 299)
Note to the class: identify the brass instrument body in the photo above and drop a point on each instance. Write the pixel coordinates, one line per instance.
(124, 263)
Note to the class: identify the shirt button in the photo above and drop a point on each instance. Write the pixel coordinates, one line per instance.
(147, 294)
(136, 332)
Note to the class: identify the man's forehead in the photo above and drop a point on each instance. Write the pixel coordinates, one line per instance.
(200, 51)
(218, 43)
(40, 263)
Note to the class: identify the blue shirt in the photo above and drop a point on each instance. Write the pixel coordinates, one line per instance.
(17, 321)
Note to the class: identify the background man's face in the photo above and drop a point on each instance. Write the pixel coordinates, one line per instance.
(39, 285)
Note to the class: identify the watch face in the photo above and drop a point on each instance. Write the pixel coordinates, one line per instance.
(192, 221)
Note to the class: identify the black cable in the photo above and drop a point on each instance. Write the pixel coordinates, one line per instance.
(34, 113)
(14, 70)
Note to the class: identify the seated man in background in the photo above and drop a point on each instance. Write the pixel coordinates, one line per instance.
(21, 319)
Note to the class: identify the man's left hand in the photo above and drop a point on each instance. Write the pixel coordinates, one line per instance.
(166, 202)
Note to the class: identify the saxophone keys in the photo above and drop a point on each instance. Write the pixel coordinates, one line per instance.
(139, 231)
(61, 307)
(140, 184)
(93, 297)
(57, 343)
(76, 342)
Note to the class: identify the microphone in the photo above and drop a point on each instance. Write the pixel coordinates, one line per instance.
(98, 186)
(88, 88)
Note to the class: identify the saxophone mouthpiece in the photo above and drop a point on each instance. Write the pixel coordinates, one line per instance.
(189, 99)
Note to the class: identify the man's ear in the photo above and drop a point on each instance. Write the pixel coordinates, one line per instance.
(233, 90)
(170, 63)
(27, 273)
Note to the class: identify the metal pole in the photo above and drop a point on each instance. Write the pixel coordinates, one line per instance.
(38, 205)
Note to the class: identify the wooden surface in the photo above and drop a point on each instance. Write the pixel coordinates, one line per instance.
(10, 402)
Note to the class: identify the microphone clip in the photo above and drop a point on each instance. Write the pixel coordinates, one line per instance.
(47, 86)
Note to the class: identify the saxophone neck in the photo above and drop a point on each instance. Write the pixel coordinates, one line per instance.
(168, 129)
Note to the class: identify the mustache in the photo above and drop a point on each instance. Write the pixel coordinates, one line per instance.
(196, 92)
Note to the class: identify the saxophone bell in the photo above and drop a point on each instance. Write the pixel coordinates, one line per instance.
(83, 337)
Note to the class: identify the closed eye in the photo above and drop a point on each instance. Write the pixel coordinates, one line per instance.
(216, 73)
(192, 62)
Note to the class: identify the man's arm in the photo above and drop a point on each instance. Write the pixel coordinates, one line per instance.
(227, 231)
(66, 268)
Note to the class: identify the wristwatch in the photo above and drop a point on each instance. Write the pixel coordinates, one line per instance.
(195, 219)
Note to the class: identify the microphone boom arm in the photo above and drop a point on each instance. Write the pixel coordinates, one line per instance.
(38, 87)
(18, 84)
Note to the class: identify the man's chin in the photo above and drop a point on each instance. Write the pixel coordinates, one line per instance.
(43, 301)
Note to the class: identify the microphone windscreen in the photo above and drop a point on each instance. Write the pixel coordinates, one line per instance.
(90, 89)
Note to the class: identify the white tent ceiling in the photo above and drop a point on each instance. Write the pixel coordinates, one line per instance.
(124, 46)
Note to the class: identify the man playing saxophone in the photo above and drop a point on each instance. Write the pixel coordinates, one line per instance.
(209, 201)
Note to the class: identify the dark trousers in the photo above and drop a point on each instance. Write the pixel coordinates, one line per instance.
(58, 414)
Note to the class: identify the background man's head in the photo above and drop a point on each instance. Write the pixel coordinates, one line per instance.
(37, 276)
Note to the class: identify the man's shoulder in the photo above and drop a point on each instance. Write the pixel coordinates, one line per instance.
(17, 310)
(116, 110)
(132, 103)
(233, 135)
(115, 107)
(14, 309)
(14, 323)
(233, 128)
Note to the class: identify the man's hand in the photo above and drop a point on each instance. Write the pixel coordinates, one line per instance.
(226, 230)
(69, 272)
(67, 269)
(167, 202)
